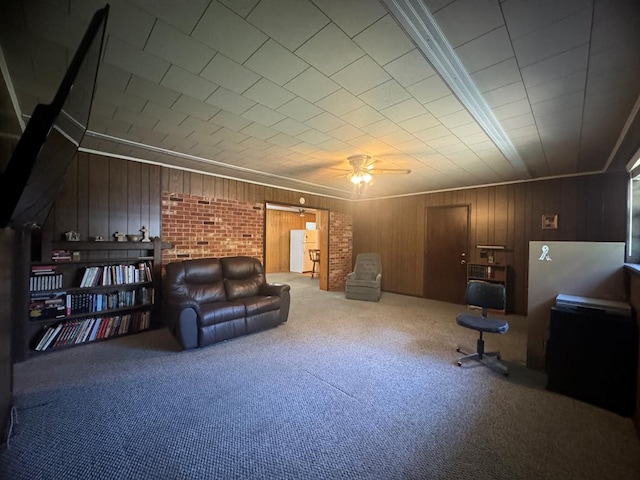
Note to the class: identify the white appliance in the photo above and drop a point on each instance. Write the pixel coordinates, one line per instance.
(301, 242)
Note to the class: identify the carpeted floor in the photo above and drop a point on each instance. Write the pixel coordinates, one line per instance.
(345, 389)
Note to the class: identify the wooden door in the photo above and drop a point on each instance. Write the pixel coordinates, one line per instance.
(446, 252)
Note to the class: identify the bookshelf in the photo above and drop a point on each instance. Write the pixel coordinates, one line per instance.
(85, 292)
(494, 273)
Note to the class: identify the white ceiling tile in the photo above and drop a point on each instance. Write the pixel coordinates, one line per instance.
(361, 75)
(305, 148)
(384, 41)
(558, 66)
(444, 106)
(381, 127)
(152, 91)
(429, 89)
(352, 16)
(283, 140)
(399, 112)
(465, 129)
(113, 77)
(312, 85)
(340, 102)
(363, 116)
(171, 129)
(498, 75)
(134, 60)
(397, 137)
(464, 20)
(133, 24)
(229, 101)
(456, 119)
(178, 48)
(132, 118)
(268, 93)
(156, 111)
(419, 123)
(198, 125)
(489, 49)
(385, 95)
(227, 135)
(325, 122)
(259, 131)
(314, 137)
(330, 39)
(432, 133)
(553, 39)
(290, 22)
(415, 147)
(410, 68)
(189, 106)
(519, 121)
(230, 120)
(475, 139)
(241, 7)
(175, 13)
(223, 30)
(263, 115)
(276, 63)
(299, 109)
(229, 74)
(514, 109)
(506, 94)
(120, 99)
(524, 16)
(185, 82)
(334, 145)
(346, 132)
(290, 127)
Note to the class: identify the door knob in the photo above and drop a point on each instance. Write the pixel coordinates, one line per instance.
(463, 261)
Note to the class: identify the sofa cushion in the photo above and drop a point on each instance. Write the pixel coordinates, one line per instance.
(200, 279)
(243, 276)
(259, 304)
(218, 312)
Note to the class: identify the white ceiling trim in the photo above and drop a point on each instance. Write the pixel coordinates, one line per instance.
(421, 26)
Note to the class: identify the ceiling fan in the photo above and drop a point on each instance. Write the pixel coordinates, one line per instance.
(362, 171)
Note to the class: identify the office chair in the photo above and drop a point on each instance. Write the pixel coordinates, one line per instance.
(487, 296)
(314, 256)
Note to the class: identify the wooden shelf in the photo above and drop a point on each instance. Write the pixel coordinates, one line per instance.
(129, 319)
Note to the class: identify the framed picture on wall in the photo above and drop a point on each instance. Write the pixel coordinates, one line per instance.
(550, 222)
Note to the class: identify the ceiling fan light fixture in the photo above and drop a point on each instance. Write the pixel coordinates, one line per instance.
(358, 178)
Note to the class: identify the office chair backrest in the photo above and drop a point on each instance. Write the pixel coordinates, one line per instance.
(487, 295)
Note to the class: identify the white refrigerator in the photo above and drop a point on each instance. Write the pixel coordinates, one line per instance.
(301, 242)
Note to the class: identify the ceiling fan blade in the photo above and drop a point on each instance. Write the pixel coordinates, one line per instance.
(378, 171)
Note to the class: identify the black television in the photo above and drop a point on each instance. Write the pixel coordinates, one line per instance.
(37, 167)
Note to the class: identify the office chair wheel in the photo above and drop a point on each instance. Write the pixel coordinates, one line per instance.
(458, 350)
(459, 364)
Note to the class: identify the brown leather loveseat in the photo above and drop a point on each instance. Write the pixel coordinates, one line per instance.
(208, 300)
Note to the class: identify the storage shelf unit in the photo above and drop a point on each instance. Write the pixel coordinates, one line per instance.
(57, 312)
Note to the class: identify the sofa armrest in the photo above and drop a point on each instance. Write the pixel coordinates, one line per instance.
(379, 279)
(351, 276)
(274, 289)
(182, 314)
(282, 291)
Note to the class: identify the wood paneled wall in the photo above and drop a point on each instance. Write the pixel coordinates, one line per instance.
(278, 225)
(179, 181)
(590, 208)
(102, 196)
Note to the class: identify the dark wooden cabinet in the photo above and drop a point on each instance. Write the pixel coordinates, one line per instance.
(87, 291)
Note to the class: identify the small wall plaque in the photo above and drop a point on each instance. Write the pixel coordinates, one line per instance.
(550, 222)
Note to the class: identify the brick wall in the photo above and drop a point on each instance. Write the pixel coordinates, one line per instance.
(202, 227)
(340, 249)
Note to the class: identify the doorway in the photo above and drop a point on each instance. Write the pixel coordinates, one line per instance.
(446, 252)
(280, 220)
